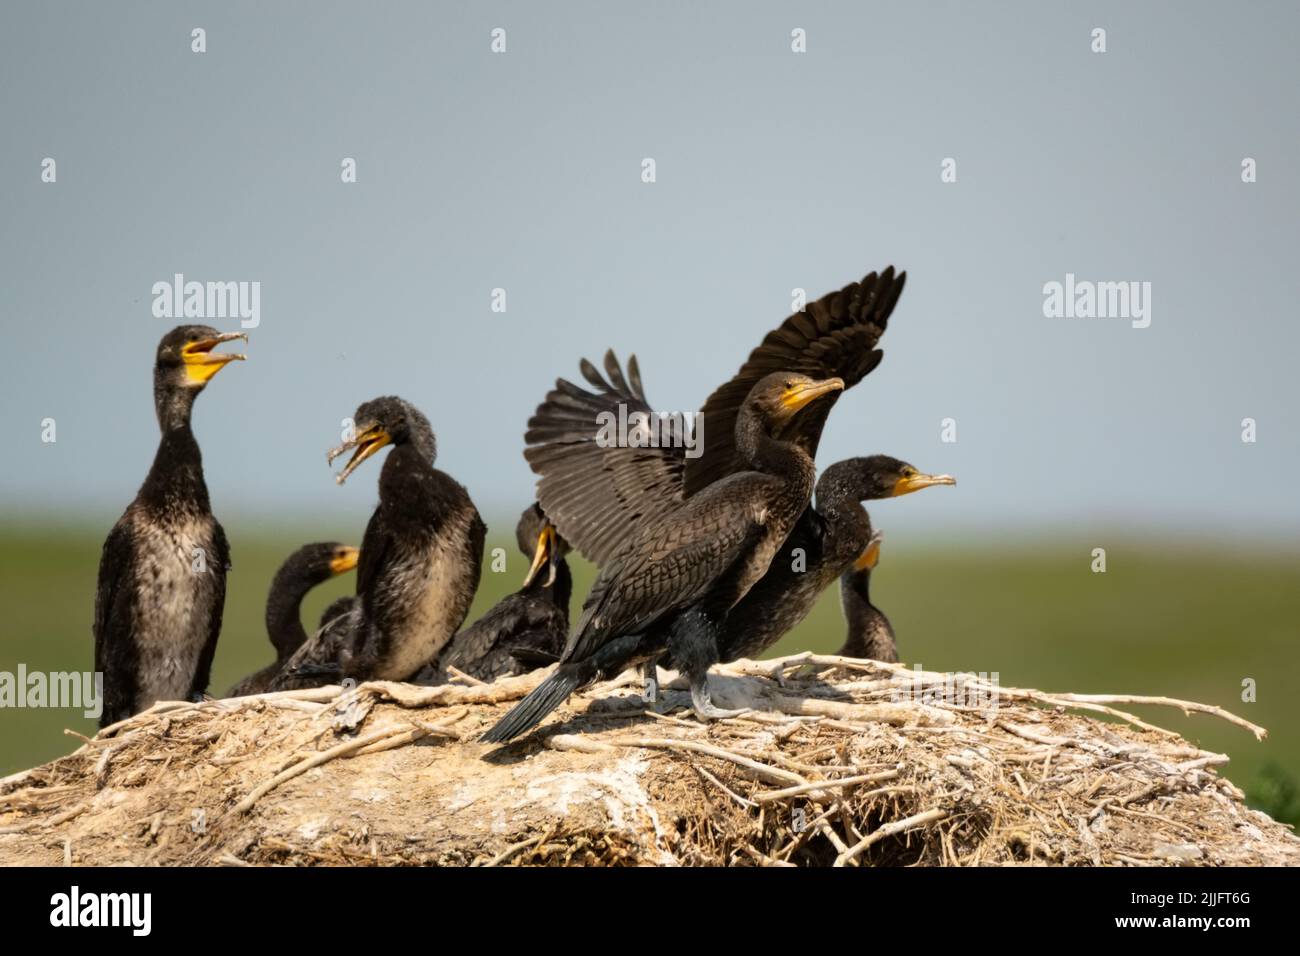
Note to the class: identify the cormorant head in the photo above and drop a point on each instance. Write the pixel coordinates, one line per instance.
(537, 537)
(869, 479)
(386, 421)
(310, 565)
(324, 559)
(777, 397)
(186, 359)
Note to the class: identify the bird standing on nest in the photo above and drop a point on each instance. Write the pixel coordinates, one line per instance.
(162, 575)
(594, 490)
(690, 565)
(422, 550)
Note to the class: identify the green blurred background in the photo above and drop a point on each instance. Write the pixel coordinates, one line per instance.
(1167, 618)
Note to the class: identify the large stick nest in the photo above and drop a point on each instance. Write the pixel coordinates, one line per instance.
(839, 761)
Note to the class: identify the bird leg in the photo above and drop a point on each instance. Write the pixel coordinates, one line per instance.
(702, 703)
(693, 644)
(649, 681)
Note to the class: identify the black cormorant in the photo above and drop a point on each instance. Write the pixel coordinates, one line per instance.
(691, 563)
(310, 565)
(525, 629)
(869, 634)
(827, 540)
(162, 575)
(594, 490)
(422, 550)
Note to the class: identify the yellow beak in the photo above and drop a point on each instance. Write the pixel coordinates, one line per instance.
(545, 548)
(201, 363)
(345, 560)
(797, 396)
(871, 556)
(905, 486)
(367, 441)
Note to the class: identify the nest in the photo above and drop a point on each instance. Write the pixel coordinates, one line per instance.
(836, 762)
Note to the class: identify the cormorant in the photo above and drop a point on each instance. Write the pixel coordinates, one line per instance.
(691, 563)
(826, 542)
(595, 489)
(422, 550)
(870, 636)
(162, 575)
(310, 565)
(525, 629)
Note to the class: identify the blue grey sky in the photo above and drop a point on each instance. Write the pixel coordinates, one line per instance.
(775, 170)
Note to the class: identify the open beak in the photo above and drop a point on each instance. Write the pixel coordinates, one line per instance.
(366, 441)
(201, 363)
(345, 560)
(797, 396)
(542, 556)
(871, 556)
(905, 486)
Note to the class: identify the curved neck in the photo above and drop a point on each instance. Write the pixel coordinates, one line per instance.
(768, 455)
(844, 511)
(284, 608)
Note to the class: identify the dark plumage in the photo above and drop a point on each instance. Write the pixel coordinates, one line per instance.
(324, 656)
(690, 565)
(162, 575)
(826, 541)
(523, 629)
(595, 490)
(869, 635)
(422, 551)
(310, 565)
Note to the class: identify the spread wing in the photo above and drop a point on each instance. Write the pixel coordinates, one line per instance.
(669, 564)
(834, 336)
(597, 493)
(595, 486)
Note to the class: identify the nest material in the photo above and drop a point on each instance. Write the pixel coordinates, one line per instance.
(838, 762)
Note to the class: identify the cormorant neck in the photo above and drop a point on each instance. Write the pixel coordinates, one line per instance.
(843, 512)
(561, 589)
(284, 611)
(175, 480)
(870, 635)
(173, 404)
(768, 455)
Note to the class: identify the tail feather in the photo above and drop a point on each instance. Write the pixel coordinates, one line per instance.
(532, 710)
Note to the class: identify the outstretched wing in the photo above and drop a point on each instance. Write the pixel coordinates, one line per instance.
(834, 336)
(596, 484)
